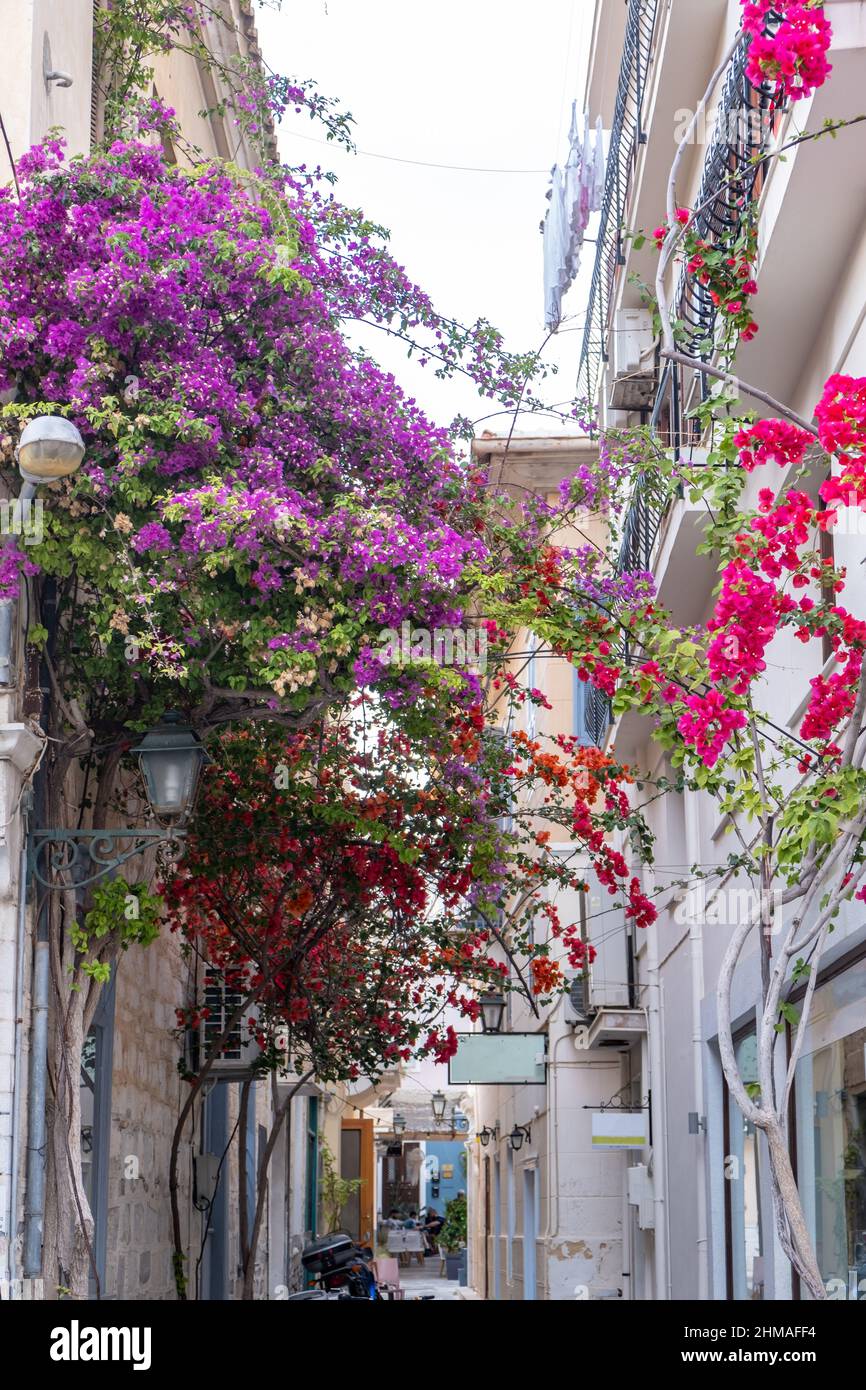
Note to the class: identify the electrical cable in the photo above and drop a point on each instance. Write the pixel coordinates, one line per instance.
(419, 163)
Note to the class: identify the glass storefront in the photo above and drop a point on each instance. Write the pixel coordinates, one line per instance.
(743, 1171)
(830, 1095)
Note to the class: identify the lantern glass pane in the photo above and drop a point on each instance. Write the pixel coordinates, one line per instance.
(170, 777)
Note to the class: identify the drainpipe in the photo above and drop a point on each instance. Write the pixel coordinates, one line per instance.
(7, 681)
(553, 1140)
(37, 1129)
(696, 943)
(660, 1280)
(20, 945)
(696, 952)
(627, 1251)
(36, 1137)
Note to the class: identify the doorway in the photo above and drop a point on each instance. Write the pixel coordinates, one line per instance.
(530, 1232)
(356, 1161)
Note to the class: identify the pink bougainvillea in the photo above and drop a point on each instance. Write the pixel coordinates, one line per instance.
(841, 417)
(708, 724)
(745, 622)
(792, 56)
(771, 441)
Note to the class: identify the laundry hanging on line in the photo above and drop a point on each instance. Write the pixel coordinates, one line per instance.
(576, 191)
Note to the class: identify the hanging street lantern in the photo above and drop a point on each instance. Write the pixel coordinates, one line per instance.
(517, 1136)
(171, 758)
(492, 1012)
(50, 447)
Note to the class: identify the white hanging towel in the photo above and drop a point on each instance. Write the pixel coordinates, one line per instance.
(555, 237)
(575, 192)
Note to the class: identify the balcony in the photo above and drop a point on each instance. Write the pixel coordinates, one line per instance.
(732, 180)
(640, 529)
(668, 52)
(627, 135)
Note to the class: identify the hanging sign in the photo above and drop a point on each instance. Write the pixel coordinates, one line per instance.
(618, 1129)
(499, 1059)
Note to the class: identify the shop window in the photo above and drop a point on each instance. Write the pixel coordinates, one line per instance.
(743, 1162)
(830, 1100)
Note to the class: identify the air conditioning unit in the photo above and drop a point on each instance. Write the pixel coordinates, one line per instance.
(579, 1009)
(634, 374)
(240, 1049)
(641, 1195)
(288, 1076)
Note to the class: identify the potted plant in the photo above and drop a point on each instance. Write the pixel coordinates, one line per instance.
(452, 1237)
(334, 1191)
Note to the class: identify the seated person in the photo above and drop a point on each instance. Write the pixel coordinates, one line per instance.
(433, 1224)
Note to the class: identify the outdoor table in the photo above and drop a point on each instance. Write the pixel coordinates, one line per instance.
(405, 1244)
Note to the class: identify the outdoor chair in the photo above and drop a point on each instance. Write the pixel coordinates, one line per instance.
(387, 1272)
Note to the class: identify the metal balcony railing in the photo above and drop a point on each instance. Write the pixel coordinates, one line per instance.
(626, 136)
(731, 182)
(640, 529)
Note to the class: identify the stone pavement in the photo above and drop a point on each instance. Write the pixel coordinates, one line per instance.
(426, 1282)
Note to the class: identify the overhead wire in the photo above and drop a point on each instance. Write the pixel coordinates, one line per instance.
(420, 163)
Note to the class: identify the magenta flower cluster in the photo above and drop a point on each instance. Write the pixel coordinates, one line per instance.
(191, 324)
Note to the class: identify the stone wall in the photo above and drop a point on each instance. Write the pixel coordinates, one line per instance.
(147, 1093)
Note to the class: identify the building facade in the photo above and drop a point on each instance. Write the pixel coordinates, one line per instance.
(131, 1091)
(681, 1206)
(546, 1199)
(704, 1225)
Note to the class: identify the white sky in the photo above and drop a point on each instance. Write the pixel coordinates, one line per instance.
(484, 83)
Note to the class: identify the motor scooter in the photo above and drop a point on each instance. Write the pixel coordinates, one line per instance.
(339, 1266)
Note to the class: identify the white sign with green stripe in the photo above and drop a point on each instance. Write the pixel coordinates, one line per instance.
(618, 1129)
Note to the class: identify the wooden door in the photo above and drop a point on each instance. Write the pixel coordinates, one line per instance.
(357, 1161)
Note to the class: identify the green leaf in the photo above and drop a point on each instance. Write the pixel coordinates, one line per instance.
(789, 1014)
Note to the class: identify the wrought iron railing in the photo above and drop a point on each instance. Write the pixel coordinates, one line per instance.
(626, 136)
(597, 716)
(639, 531)
(640, 528)
(731, 182)
(732, 177)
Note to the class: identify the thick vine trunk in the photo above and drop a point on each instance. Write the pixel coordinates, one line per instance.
(802, 1253)
(793, 1231)
(68, 1250)
(72, 1225)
